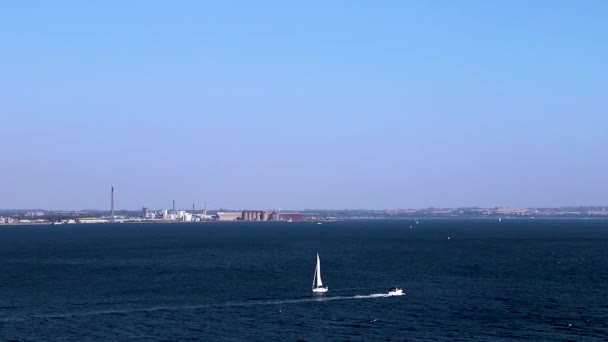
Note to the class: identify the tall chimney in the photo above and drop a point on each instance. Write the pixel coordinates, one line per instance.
(112, 206)
(173, 205)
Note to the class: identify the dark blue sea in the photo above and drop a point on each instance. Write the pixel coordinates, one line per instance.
(491, 281)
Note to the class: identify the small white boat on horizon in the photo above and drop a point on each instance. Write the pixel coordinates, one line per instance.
(317, 284)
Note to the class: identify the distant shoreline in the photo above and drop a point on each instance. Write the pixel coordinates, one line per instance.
(504, 220)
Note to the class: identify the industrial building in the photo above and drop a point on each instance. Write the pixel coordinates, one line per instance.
(254, 215)
(259, 215)
(291, 217)
(247, 215)
(228, 216)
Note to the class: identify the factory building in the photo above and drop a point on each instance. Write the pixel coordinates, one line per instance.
(274, 216)
(291, 217)
(254, 215)
(228, 216)
(259, 215)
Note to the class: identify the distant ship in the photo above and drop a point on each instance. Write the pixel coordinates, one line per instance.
(317, 284)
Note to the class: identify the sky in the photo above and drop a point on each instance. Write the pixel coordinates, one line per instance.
(303, 104)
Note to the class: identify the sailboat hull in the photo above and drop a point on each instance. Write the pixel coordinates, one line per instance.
(320, 290)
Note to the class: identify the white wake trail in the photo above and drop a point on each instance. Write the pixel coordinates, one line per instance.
(304, 300)
(374, 295)
(193, 307)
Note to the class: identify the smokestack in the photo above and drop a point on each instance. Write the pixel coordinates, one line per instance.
(193, 208)
(205, 211)
(173, 205)
(112, 206)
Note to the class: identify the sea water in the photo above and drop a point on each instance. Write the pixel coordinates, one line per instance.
(515, 279)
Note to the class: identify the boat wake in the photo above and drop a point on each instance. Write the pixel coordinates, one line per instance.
(374, 295)
(304, 300)
(255, 302)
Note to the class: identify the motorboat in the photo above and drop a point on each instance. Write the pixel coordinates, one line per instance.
(395, 291)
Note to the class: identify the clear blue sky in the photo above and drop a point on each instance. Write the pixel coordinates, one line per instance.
(309, 104)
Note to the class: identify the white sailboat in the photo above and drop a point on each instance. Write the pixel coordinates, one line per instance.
(317, 284)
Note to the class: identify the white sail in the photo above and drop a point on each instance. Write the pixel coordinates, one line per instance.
(317, 284)
(318, 272)
(314, 278)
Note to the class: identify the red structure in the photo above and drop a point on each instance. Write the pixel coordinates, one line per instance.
(290, 216)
